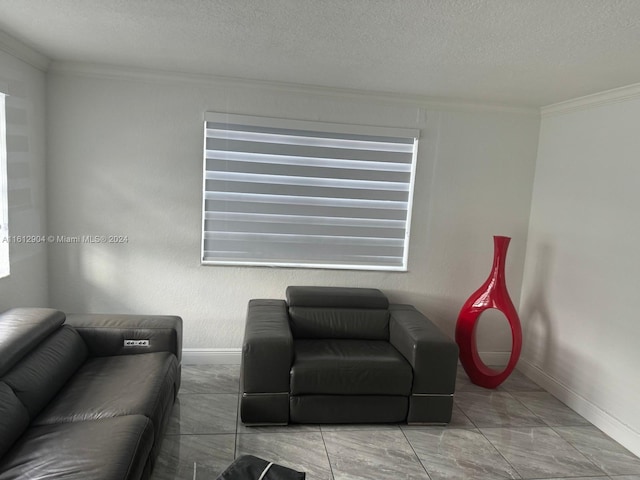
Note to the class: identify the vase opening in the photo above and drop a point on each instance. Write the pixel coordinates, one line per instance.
(492, 334)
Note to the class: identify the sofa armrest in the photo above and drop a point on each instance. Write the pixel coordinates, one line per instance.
(432, 355)
(106, 335)
(267, 350)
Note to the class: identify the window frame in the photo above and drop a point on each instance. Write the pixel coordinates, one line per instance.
(5, 264)
(319, 128)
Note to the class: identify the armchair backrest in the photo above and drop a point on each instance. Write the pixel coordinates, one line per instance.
(338, 312)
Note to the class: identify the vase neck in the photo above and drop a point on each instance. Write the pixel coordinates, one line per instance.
(500, 245)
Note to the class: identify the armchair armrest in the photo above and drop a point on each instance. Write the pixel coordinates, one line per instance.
(267, 350)
(106, 335)
(432, 355)
(267, 355)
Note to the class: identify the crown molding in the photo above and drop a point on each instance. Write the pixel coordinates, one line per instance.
(23, 52)
(607, 97)
(161, 76)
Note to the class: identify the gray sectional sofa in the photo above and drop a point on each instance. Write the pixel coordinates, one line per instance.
(85, 396)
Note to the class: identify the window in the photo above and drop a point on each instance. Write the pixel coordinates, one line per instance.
(4, 211)
(306, 194)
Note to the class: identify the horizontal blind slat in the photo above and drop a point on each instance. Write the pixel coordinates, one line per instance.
(301, 228)
(302, 200)
(309, 141)
(308, 161)
(307, 171)
(284, 191)
(340, 211)
(306, 181)
(304, 238)
(308, 151)
(306, 219)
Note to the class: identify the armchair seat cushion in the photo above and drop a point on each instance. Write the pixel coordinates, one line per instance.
(349, 367)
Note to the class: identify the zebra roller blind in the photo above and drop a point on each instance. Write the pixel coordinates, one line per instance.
(306, 194)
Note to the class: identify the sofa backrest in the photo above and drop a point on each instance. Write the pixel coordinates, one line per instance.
(38, 377)
(338, 312)
(14, 418)
(21, 329)
(41, 355)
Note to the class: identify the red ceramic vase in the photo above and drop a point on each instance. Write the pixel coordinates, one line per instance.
(492, 294)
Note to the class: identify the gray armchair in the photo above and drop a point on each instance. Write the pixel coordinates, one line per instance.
(344, 355)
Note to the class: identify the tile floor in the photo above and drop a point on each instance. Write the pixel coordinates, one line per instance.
(516, 431)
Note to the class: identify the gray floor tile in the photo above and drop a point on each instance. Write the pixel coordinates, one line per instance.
(540, 453)
(210, 379)
(180, 455)
(458, 420)
(345, 427)
(377, 454)
(518, 382)
(459, 455)
(551, 410)
(580, 478)
(495, 409)
(463, 384)
(202, 430)
(303, 451)
(291, 428)
(610, 456)
(204, 414)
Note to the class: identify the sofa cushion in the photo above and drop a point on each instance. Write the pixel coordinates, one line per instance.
(349, 367)
(21, 329)
(107, 449)
(38, 377)
(116, 386)
(14, 418)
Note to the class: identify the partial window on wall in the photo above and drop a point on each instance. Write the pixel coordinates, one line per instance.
(306, 194)
(4, 215)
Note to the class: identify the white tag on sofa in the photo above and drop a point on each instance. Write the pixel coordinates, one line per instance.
(136, 343)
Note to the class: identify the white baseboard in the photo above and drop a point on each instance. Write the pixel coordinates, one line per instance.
(610, 425)
(211, 356)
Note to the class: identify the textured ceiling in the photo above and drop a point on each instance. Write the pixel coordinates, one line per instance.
(517, 52)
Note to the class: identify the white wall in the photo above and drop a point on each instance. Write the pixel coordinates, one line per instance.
(582, 281)
(125, 157)
(25, 109)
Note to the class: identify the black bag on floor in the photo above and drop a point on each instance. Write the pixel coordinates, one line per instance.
(248, 467)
